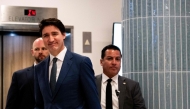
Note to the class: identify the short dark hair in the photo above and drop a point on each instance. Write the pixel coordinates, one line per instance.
(51, 21)
(112, 47)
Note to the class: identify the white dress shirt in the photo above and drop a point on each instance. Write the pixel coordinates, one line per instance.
(59, 62)
(114, 84)
(35, 63)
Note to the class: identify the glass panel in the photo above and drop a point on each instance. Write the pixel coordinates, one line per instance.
(172, 42)
(154, 11)
(139, 8)
(185, 90)
(144, 45)
(135, 8)
(128, 51)
(155, 44)
(179, 91)
(173, 90)
(149, 8)
(131, 9)
(162, 90)
(127, 9)
(144, 9)
(161, 45)
(140, 80)
(167, 85)
(166, 42)
(177, 7)
(160, 7)
(178, 44)
(136, 77)
(166, 8)
(145, 89)
(156, 91)
(131, 45)
(151, 88)
(188, 89)
(183, 7)
(188, 44)
(172, 9)
(135, 46)
(139, 55)
(187, 7)
(183, 32)
(150, 45)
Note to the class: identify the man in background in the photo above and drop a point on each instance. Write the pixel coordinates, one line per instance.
(64, 80)
(21, 91)
(116, 92)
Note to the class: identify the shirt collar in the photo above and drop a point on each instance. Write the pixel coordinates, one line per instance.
(105, 78)
(60, 56)
(35, 63)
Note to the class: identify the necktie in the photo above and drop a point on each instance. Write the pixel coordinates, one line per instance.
(53, 75)
(109, 95)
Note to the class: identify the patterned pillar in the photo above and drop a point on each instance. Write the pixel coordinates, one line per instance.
(156, 50)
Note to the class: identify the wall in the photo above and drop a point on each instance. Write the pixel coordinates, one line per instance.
(157, 50)
(95, 16)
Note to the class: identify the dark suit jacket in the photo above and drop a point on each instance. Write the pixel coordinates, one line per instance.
(130, 96)
(21, 91)
(75, 87)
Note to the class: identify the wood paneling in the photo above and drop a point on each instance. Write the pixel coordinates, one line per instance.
(1, 74)
(16, 56)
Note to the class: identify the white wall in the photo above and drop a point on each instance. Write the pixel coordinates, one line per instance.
(96, 16)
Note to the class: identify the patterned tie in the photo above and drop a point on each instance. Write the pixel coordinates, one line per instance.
(53, 75)
(109, 95)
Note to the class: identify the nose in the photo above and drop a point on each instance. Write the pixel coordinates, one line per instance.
(114, 61)
(51, 39)
(40, 51)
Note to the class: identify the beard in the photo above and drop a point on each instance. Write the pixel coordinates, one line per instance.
(40, 58)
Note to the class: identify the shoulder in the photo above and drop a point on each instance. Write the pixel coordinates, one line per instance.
(129, 84)
(42, 63)
(20, 74)
(128, 81)
(24, 70)
(78, 57)
(98, 76)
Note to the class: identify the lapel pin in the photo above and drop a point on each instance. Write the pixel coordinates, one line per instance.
(124, 83)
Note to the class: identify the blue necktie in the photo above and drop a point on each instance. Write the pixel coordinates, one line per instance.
(53, 75)
(109, 95)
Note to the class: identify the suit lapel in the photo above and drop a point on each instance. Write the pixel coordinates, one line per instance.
(30, 76)
(46, 74)
(64, 70)
(122, 89)
(99, 85)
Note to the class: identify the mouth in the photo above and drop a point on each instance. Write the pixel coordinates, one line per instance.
(52, 44)
(113, 68)
(41, 56)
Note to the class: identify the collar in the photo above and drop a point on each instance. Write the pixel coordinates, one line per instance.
(35, 63)
(60, 56)
(105, 78)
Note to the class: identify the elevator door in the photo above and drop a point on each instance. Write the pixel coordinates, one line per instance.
(16, 55)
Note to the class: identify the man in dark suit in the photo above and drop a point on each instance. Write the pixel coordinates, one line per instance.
(65, 80)
(21, 91)
(124, 93)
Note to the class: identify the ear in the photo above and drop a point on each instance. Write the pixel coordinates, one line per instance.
(101, 62)
(64, 35)
(32, 52)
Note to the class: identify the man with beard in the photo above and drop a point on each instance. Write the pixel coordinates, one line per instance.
(21, 91)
